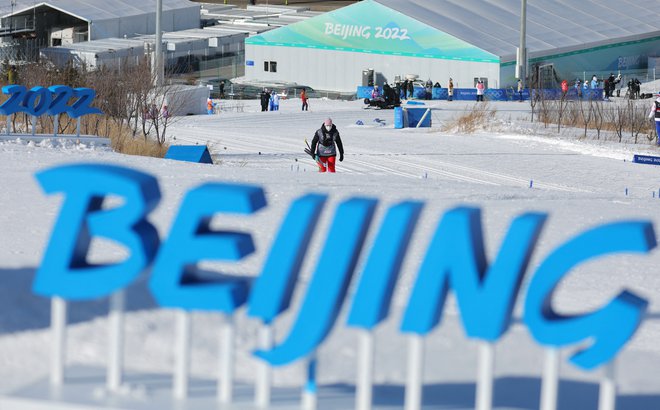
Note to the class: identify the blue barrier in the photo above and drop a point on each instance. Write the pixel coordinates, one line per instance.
(646, 159)
(415, 115)
(497, 94)
(190, 153)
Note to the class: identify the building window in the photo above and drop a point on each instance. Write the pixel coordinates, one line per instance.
(270, 66)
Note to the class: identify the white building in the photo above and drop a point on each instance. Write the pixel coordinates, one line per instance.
(462, 39)
(34, 25)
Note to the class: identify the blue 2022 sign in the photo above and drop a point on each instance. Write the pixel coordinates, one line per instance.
(53, 100)
(455, 260)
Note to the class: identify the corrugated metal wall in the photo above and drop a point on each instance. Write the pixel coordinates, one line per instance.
(173, 20)
(342, 71)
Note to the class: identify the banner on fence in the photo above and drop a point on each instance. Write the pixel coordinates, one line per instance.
(646, 159)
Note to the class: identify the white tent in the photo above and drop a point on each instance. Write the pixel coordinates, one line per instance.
(553, 26)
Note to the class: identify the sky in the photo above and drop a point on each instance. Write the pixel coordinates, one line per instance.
(579, 182)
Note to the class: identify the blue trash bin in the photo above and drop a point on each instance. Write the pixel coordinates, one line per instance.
(398, 117)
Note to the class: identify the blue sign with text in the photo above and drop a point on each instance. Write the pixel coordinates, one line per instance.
(455, 260)
(646, 159)
(53, 100)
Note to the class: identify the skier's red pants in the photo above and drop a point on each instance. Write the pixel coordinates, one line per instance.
(327, 163)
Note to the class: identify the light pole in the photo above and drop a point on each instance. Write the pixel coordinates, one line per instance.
(521, 66)
(158, 70)
(11, 19)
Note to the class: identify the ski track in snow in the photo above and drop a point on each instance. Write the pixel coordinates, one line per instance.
(228, 133)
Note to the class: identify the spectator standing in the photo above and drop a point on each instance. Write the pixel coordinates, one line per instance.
(265, 99)
(303, 98)
(222, 89)
(12, 75)
(578, 88)
(520, 89)
(481, 88)
(594, 82)
(450, 90)
(274, 101)
(411, 89)
(404, 89)
(428, 89)
(654, 115)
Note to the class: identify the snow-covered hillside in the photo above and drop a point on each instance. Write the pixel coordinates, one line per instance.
(580, 184)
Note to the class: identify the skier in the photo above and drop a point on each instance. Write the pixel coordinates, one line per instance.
(323, 145)
(654, 116)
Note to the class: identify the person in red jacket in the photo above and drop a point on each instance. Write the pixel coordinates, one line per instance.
(303, 97)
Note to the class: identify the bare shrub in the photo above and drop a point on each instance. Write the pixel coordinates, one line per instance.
(127, 144)
(477, 118)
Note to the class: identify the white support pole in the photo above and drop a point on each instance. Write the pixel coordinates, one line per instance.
(264, 372)
(116, 340)
(607, 393)
(426, 113)
(485, 376)
(413, 397)
(58, 328)
(365, 380)
(34, 125)
(309, 396)
(182, 354)
(78, 128)
(226, 364)
(56, 125)
(550, 382)
(8, 124)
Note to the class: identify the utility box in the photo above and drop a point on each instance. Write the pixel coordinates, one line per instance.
(368, 77)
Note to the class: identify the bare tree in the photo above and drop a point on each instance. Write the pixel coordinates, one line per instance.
(599, 117)
(586, 113)
(638, 119)
(618, 116)
(561, 107)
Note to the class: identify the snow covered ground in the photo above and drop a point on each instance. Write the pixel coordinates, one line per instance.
(580, 183)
